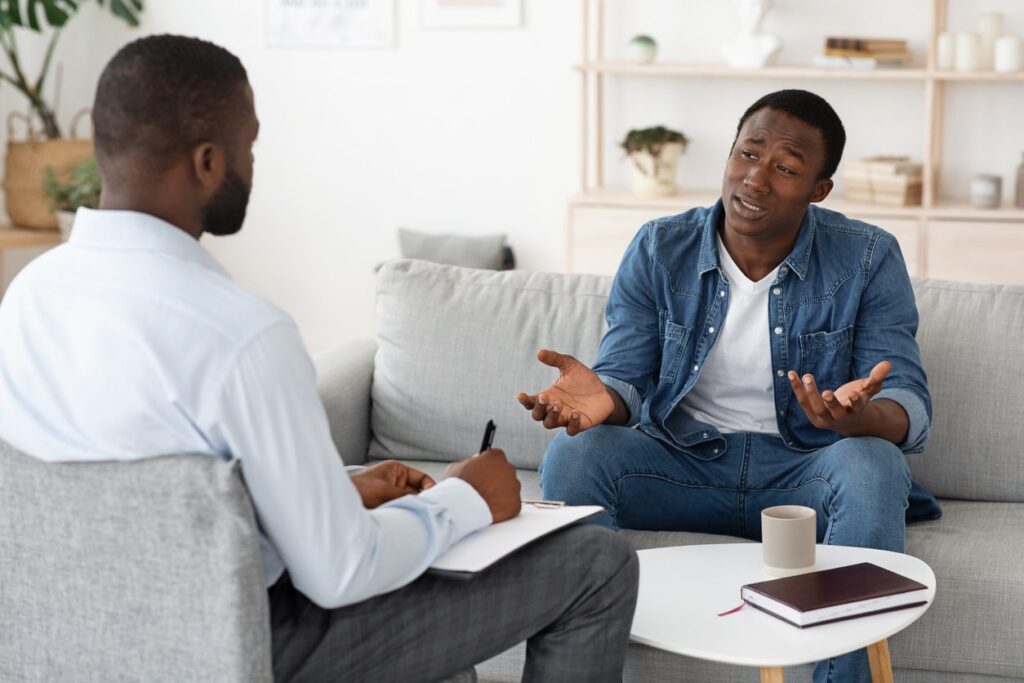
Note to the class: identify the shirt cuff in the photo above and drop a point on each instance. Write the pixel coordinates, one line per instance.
(630, 396)
(917, 415)
(354, 469)
(467, 508)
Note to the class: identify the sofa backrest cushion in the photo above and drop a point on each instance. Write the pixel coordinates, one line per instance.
(972, 343)
(455, 346)
(130, 571)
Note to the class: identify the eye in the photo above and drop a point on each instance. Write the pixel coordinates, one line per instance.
(747, 154)
(786, 171)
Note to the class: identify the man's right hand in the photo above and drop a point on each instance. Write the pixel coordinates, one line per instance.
(578, 400)
(494, 478)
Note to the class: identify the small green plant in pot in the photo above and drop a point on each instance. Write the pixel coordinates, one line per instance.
(82, 189)
(654, 153)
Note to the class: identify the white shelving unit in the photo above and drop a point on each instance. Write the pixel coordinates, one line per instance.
(942, 238)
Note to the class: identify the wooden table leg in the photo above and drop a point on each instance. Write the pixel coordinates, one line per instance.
(771, 674)
(881, 665)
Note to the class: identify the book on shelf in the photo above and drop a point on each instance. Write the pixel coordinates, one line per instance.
(826, 62)
(893, 58)
(830, 595)
(866, 44)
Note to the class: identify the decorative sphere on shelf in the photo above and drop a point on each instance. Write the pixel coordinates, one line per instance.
(642, 50)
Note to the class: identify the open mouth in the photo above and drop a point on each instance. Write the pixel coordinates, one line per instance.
(748, 209)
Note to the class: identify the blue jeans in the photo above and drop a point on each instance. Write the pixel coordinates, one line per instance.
(858, 486)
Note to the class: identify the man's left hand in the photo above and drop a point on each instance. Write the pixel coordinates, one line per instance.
(387, 481)
(845, 410)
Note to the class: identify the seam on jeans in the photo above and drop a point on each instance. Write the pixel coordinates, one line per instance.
(741, 501)
(654, 475)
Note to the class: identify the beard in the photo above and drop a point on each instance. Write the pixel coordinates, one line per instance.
(225, 213)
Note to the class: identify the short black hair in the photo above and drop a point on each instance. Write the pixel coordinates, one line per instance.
(162, 94)
(811, 109)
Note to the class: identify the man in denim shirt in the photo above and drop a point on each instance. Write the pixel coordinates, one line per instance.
(759, 352)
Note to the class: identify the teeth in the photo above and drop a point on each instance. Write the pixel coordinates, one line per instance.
(750, 206)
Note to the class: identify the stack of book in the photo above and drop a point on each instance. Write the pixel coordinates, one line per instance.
(892, 181)
(864, 53)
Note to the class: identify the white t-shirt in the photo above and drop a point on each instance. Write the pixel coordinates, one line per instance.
(734, 391)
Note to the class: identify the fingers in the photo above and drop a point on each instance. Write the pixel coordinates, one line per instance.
(873, 383)
(835, 407)
(526, 400)
(417, 480)
(551, 358)
(540, 409)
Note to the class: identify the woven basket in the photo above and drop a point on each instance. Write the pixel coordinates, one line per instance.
(27, 205)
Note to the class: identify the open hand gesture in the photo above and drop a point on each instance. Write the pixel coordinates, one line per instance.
(842, 410)
(578, 400)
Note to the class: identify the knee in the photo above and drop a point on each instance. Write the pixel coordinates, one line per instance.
(571, 458)
(870, 464)
(607, 553)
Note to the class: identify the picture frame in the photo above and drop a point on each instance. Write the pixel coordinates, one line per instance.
(330, 23)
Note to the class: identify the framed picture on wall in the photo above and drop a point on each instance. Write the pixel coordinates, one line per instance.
(330, 23)
(471, 13)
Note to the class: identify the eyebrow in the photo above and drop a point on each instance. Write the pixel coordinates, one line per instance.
(795, 152)
(754, 141)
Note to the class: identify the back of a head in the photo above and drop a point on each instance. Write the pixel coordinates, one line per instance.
(813, 110)
(161, 95)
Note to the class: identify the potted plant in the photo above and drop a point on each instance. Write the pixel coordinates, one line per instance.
(654, 153)
(28, 159)
(83, 189)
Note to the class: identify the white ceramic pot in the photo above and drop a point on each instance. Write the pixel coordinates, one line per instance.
(655, 176)
(64, 221)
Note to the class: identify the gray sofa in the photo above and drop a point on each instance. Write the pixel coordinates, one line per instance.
(454, 346)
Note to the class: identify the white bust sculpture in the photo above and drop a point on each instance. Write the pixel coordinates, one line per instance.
(751, 48)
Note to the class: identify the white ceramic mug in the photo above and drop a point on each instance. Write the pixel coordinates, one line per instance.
(788, 533)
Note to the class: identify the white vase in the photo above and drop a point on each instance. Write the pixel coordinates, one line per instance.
(655, 176)
(64, 221)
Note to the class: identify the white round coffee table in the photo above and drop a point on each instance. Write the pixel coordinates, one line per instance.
(683, 589)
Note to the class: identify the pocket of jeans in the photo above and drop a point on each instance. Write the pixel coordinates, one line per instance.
(674, 338)
(828, 356)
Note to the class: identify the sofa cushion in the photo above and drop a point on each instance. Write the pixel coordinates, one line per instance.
(971, 337)
(456, 345)
(130, 571)
(976, 624)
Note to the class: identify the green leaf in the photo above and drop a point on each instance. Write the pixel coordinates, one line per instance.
(128, 10)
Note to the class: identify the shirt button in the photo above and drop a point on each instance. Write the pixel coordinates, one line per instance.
(783, 270)
(780, 373)
(711, 330)
(721, 293)
(695, 368)
(704, 435)
(782, 412)
(714, 451)
(778, 330)
(777, 291)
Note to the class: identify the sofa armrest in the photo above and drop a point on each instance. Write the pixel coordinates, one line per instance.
(344, 376)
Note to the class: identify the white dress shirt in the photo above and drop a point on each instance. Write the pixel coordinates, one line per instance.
(735, 391)
(130, 341)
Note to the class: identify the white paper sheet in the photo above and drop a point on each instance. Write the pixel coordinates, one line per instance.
(483, 548)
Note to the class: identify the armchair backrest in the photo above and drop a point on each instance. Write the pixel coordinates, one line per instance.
(136, 571)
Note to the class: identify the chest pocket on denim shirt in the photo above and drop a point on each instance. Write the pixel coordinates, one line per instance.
(673, 343)
(828, 356)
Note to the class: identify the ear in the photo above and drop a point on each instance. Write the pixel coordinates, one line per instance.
(821, 190)
(209, 166)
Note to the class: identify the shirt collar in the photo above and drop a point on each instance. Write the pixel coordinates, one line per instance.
(798, 258)
(133, 230)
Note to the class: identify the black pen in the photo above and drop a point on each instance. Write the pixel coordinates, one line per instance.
(488, 436)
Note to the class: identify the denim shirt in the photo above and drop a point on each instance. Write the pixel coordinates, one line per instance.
(841, 303)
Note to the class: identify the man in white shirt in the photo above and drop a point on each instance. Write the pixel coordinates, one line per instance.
(130, 342)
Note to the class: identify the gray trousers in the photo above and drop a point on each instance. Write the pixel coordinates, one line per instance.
(570, 595)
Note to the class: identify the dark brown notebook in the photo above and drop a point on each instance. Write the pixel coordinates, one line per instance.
(829, 595)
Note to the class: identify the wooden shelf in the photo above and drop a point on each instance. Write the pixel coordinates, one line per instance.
(718, 71)
(669, 69)
(950, 210)
(16, 238)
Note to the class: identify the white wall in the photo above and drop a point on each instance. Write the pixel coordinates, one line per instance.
(475, 131)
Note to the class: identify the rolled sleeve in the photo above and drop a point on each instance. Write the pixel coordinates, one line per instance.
(917, 414)
(630, 396)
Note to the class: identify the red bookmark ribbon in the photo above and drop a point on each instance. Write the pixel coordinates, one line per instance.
(734, 610)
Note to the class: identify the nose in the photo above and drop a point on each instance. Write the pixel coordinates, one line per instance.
(756, 179)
